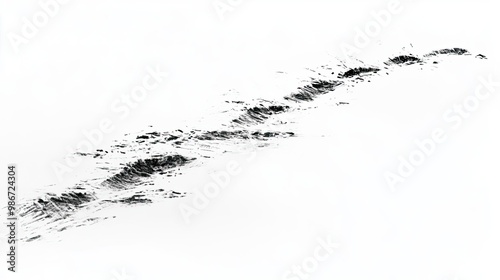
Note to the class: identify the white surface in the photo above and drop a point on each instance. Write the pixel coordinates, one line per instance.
(442, 222)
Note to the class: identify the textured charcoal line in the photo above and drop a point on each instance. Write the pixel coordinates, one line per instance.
(159, 138)
(52, 204)
(132, 173)
(241, 134)
(54, 212)
(197, 143)
(142, 197)
(135, 199)
(33, 238)
(403, 60)
(358, 71)
(259, 114)
(207, 144)
(453, 51)
(309, 92)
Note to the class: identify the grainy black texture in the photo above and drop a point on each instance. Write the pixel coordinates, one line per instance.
(260, 114)
(453, 51)
(133, 172)
(128, 184)
(403, 59)
(358, 71)
(309, 92)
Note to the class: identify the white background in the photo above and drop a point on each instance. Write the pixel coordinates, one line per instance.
(443, 222)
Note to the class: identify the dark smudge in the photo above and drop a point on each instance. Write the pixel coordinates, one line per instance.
(135, 199)
(309, 92)
(259, 114)
(52, 205)
(143, 197)
(191, 137)
(240, 134)
(403, 60)
(358, 71)
(33, 238)
(132, 173)
(453, 51)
